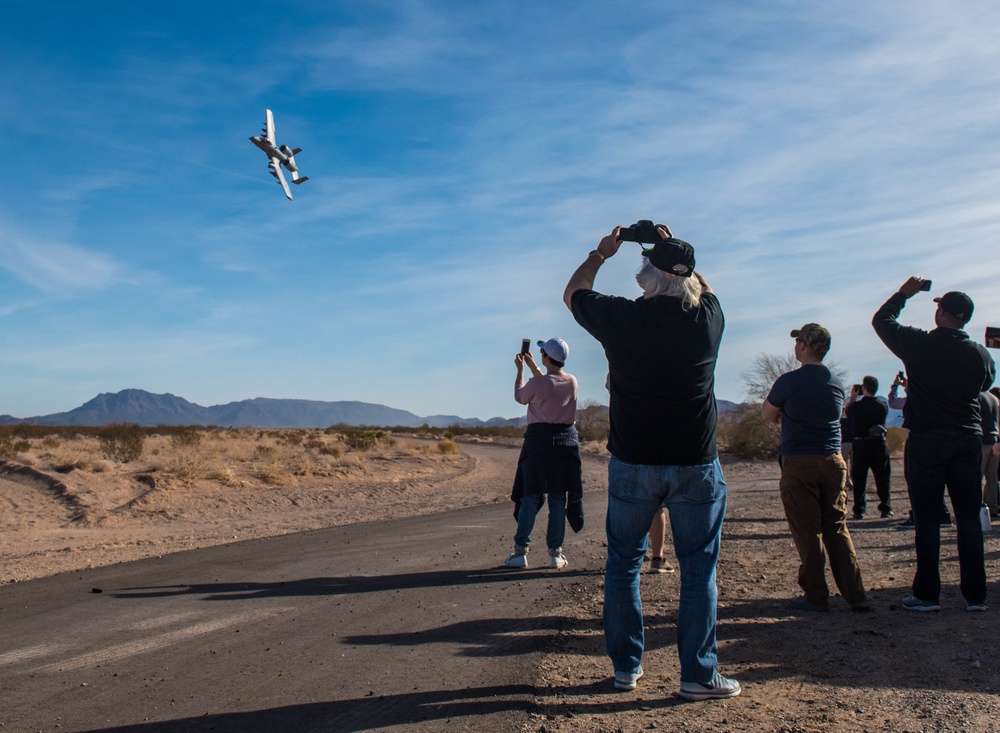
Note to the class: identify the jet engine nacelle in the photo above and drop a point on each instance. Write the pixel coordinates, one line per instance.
(289, 154)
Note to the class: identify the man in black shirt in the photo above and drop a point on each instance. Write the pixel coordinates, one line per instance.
(871, 451)
(946, 371)
(661, 349)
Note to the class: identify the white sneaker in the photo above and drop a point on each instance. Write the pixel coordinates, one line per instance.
(719, 688)
(626, 681)
(556, 558)
(518, 558)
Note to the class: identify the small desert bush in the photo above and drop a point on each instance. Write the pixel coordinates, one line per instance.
(896, 438)
(745, 434)
(365, 440)
(262, 451)
(121, 442)
(186, 437)
(11, 446)
(448, 447)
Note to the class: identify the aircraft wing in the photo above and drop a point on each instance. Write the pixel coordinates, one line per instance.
(269, 128)
(275, 167)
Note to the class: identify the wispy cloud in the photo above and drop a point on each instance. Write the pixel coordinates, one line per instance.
(58, 269)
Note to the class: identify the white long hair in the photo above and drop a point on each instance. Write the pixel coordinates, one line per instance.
(655, 282)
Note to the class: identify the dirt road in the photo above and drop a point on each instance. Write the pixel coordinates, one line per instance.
(409, 625)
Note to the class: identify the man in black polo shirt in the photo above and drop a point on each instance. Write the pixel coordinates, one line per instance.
(871, 451)
(945, 371)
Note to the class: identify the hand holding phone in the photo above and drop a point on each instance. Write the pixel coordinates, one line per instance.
(525, 346)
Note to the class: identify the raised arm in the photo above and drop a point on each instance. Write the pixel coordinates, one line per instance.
(583, 278)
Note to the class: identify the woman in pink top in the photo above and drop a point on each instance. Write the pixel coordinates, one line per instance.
(549, 464)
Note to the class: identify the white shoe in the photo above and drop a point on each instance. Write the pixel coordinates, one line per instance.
(719, 688)
(556, 558)
(518, 558)
(626, 681)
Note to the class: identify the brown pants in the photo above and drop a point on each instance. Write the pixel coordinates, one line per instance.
(813, 494)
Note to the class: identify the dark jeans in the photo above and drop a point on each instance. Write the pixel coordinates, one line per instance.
(871, 453)
(936, 460)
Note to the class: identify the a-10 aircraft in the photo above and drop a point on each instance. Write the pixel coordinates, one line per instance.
(280, 155)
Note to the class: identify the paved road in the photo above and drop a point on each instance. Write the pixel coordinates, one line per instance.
(401, 626)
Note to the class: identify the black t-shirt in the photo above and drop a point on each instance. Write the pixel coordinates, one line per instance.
(866, 414)
(661, 361)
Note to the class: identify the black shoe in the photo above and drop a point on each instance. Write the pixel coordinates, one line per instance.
(907, 524)
(886, 513)
(859, 515)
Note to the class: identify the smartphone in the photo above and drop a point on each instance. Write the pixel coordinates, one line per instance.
(926, 286)
(993, 337)
(901, 376)
(525, 346)
(858, 389)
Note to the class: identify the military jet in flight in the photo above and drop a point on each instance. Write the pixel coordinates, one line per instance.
(280, 155)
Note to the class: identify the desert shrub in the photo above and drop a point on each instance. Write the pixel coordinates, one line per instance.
(121, 442)
(50, 441)
(261, 451)
(292, 437)
(365, 439)
(330, 450)
(11, 446)
(592, 422)
(448, 447)
(896, 437)
(186, 437)
(449, 435)
(746, 435)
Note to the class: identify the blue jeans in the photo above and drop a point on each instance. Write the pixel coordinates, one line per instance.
(695, 497)
(935, 460)
(528, 510)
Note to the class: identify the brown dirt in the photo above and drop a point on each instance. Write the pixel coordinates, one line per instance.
(891, 670)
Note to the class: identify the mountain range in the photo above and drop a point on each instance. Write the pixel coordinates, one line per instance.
(145, 408)
(148, 409)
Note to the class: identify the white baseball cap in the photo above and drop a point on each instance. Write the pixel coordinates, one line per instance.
(557, 349)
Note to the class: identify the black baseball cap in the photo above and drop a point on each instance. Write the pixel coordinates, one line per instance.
(673, 256)
(956, 304)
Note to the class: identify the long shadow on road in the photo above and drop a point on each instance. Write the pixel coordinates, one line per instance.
(348, 584)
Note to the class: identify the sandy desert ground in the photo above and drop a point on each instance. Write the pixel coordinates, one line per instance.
(62, 507)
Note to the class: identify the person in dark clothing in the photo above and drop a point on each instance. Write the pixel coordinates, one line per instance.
(661, 349)
(945, 371)
(898, 403)
(871, 451)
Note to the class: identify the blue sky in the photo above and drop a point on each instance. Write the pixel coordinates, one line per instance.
(463, 159)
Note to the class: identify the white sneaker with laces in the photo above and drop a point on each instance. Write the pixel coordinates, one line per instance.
(518, 558)
(718, 689)
(556, 558)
